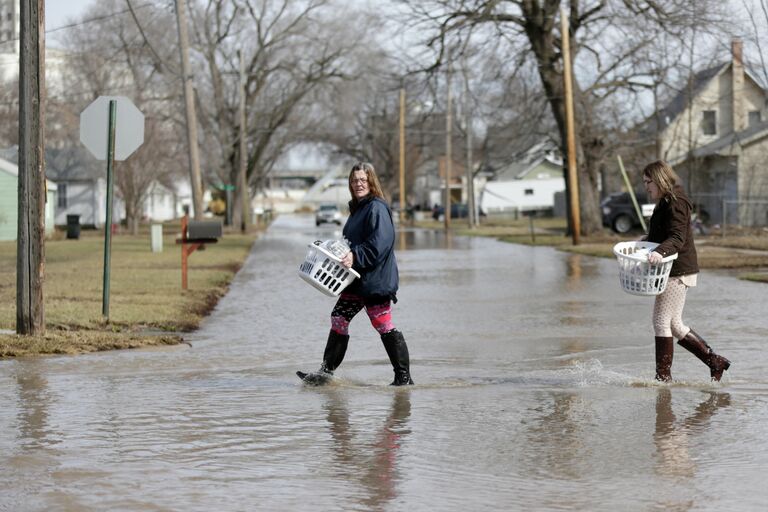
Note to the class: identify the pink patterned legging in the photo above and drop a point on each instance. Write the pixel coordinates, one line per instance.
(668, 310)
(348, 305)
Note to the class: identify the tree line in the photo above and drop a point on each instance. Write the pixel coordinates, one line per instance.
(328, 72)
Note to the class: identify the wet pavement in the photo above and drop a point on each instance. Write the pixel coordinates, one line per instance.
(534, 389)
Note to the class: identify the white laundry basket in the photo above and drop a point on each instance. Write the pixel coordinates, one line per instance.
(637, 276)
(324, 271)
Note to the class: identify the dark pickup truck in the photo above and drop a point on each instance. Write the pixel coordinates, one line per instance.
(619, 213)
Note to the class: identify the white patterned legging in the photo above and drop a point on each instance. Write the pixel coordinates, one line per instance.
(668, 310)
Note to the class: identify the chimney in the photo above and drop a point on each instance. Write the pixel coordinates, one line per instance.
(737, 85)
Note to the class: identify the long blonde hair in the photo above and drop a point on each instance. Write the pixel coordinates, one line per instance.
(373, 181)
(665, 178)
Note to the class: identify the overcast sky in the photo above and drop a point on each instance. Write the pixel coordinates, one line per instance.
(59, 12)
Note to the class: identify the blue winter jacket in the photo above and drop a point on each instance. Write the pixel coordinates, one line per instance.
(371, 234)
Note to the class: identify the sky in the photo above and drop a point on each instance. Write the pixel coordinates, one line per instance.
(58, 12)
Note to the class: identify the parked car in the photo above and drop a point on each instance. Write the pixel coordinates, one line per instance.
(619, 213)
(458, 211)
(328, 213)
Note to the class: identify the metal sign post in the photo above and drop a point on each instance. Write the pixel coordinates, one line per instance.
(110, 191)
(120, 137)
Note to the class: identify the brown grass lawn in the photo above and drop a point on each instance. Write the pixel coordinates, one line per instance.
(741, 249)
(145, 290)
(148, 307)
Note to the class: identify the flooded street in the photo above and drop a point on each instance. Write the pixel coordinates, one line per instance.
(534, 390)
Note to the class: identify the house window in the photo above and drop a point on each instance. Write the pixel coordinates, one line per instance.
(529, 191)
(62, 189)
(709, 122)
(754, 117)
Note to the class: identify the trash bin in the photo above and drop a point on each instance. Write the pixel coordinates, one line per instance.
(73, 227)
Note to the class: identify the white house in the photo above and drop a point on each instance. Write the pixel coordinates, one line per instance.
(525, 185)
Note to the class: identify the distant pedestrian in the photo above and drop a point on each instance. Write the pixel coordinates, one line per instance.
(670, 227)
(436, 212)
(371, 234)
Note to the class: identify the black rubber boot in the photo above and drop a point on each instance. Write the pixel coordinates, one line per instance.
(698, 347)
(665, 347)
(335, 348)
(397, 350)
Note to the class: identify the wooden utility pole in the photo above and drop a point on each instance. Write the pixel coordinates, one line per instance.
(242, 181)
(470, 178)
(30, 248)
(573, 180)
(189, 99)
(402, 155)
(448, 156)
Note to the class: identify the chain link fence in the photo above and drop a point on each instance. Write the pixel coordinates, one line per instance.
(724, 212)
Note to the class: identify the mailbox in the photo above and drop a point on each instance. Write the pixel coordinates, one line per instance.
(204, 230)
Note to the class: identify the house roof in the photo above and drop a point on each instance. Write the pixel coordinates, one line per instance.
(680, 100)
(728, 143)
(64, 164)
(525, 161)
(73, 164)
(13, 169)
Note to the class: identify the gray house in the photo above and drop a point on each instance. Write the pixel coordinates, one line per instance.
(82, 182)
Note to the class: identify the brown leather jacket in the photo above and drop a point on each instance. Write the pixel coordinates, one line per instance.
(670, 227)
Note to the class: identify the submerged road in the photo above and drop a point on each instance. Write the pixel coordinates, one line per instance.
(534, 389)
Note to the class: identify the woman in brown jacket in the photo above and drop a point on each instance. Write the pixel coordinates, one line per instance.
(670, 227)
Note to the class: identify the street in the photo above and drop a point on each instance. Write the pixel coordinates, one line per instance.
(534, 390)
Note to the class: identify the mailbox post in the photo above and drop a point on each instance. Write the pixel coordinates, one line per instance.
(194, 235)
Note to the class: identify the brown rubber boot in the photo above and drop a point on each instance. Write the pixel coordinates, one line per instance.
(698, 347)
(665, 348)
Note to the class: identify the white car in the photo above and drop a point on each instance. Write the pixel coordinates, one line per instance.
(328, 213)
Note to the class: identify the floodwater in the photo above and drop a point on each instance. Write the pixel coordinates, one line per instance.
(534, 390)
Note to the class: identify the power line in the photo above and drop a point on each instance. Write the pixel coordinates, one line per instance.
(96, 18)
(86, 21)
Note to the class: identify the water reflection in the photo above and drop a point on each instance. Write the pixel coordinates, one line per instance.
(576, 313)
(430, 239)
(672, 436)
(373, 463)
(573, 266)
(556, 436)
(34, 403)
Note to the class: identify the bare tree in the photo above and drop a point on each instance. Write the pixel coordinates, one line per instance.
(292, 49)
(604, 37)
(115, 57)
(9, 114)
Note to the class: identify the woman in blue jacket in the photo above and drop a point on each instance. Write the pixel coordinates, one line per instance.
(371, 234)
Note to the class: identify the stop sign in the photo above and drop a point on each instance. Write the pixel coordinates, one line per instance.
(129, 127)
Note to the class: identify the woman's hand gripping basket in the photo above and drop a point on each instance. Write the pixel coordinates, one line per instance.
(637, 276)
(323, 270)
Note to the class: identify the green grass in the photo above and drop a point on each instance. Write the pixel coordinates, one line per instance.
(145, 287)
(757, 277)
